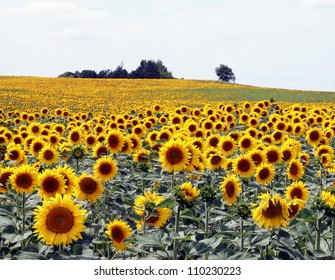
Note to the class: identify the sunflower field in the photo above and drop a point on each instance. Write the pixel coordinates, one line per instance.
(133, 169)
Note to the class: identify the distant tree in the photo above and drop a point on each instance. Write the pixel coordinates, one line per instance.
(146, 70)
(120, 73)
(225, 73)
(66, 75)
(88, 74)
(163, 71)
(103, 74)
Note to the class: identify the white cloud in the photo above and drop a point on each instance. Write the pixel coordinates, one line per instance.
(54, 8)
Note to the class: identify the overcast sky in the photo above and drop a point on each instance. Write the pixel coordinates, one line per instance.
(286, 43)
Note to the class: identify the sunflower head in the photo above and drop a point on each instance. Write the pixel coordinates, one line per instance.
(105, 168)
(118, 231)
(78, 152)
(230, 188)
(59, 221)
(187, 194)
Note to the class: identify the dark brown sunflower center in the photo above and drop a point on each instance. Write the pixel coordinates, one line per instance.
(264, 173)
(243, 165)
(272, 156)
(50, 184)
(101, 151)
(88, 185)
(14, 155)
(192, 128)
(117, 234)
(214, 142)
(90, 140)
(293, 210)
(314, 136)
(215, 160)
(272, 211)
(230, 189)
(24, 181)
(4, 178)
(257, 159)
(246, 143)
(174, 155)
(113, 141)
(294, 170)
(287, 154)
(75, 136)
(227, 146)
(35, 129)
(105, 168)
(37, 147)
(60, 220)
(48, 155)
(296, 192)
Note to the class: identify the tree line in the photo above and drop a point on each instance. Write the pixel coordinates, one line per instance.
(148, 69)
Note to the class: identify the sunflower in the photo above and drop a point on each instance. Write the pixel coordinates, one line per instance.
(35, 128)
(114, 141)
(118, 231)
(244, 166)
(328, 198)
(265, 173)
(48, 155)
(188, 192)
(24, 179)
(314, 136)
(258, 156)
(271, 212)
(51, 183)
(75, 136)
(246, 143)
(230, 187)
(324, 149)
(273, 154)
(59, 221)
(213, 141)
(295, 170)
(15, 154)
(141, 156)
(99, 150)
(227, 145)
(5, 173)
(36, 145)
(297, 190)
(91, 140)
(174, 155)
(146, 206)
(127, 147)
(69, 176)
(88, 187)
(294, 206)
(105, 168)
(215, 161)
(136, 143)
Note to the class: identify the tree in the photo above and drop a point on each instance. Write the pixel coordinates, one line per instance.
(66, 75)
(225, 73)
(88, 74)
(163, 71)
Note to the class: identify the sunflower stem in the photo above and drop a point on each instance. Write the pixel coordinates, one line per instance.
(23, 217)
(333, 237)
(318, 235)
(242, 237)
(206, 217)
(172, 180)
(176, 230)
(77, 165)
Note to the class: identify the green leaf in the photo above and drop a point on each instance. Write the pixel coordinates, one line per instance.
(205, 246)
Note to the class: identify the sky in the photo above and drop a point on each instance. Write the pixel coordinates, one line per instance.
(281, 44)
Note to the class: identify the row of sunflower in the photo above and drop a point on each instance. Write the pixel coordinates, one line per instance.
(153, 183)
